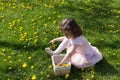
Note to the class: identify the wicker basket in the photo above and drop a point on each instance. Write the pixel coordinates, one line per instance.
(61, 70)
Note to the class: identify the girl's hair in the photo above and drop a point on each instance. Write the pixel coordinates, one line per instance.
(70, 26)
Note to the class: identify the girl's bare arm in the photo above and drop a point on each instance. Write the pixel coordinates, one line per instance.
(57, 39)
(68, 55)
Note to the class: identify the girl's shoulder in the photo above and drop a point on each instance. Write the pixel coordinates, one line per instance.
(79, 40)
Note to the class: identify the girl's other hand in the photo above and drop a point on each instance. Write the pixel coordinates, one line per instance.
(49, 51)
(60, 64)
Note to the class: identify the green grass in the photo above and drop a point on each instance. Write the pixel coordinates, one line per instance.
(26, 27)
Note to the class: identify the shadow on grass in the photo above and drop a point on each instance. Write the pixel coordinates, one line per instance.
(105, 68)
(18, 46)
(113, 44)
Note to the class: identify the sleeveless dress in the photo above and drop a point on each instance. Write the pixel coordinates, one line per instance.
(85, 55)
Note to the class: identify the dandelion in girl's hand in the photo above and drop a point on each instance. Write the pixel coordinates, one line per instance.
(24, 65)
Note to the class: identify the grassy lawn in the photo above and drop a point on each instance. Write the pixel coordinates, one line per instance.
(26, 27)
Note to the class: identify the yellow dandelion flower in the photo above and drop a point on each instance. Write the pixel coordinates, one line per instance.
(67, 75)
(10, 61)
(3, 49)
(12, 53)
(24, 65)
(13, 7)
(62, 2)
(44, 33)
(54, 22)
(18, 20)
(32, 67)
(21, 28)
(29, 57)
(57, 65)
(25, 33)
(40, 17)
(35, 33)
(118, 63)
(50, 6)
(10, 68)
(45, 25)
(19, 60)
(36, 36)
(50, 66)
(8, 79)
(2, 8)
(33, 77)
(56, 33)
(45, 5)
(92, 76)
(24, 46)
(35, 41)
(48, 76)
(9, 57)
(59, 16)
(102, 39)
(63, 64)
(92, 72)
(66, 65)
(5, 60)
(29, 7)
(33, 20)
(82, 69)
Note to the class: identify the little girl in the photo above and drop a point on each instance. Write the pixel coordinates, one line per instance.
(80, 52)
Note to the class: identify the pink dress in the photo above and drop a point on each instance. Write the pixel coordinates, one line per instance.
(85, 55)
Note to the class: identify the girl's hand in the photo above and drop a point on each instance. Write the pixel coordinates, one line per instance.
(60, 64)
(52, 41)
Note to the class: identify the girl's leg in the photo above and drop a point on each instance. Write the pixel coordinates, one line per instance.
(97, 56)
(77, 60)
